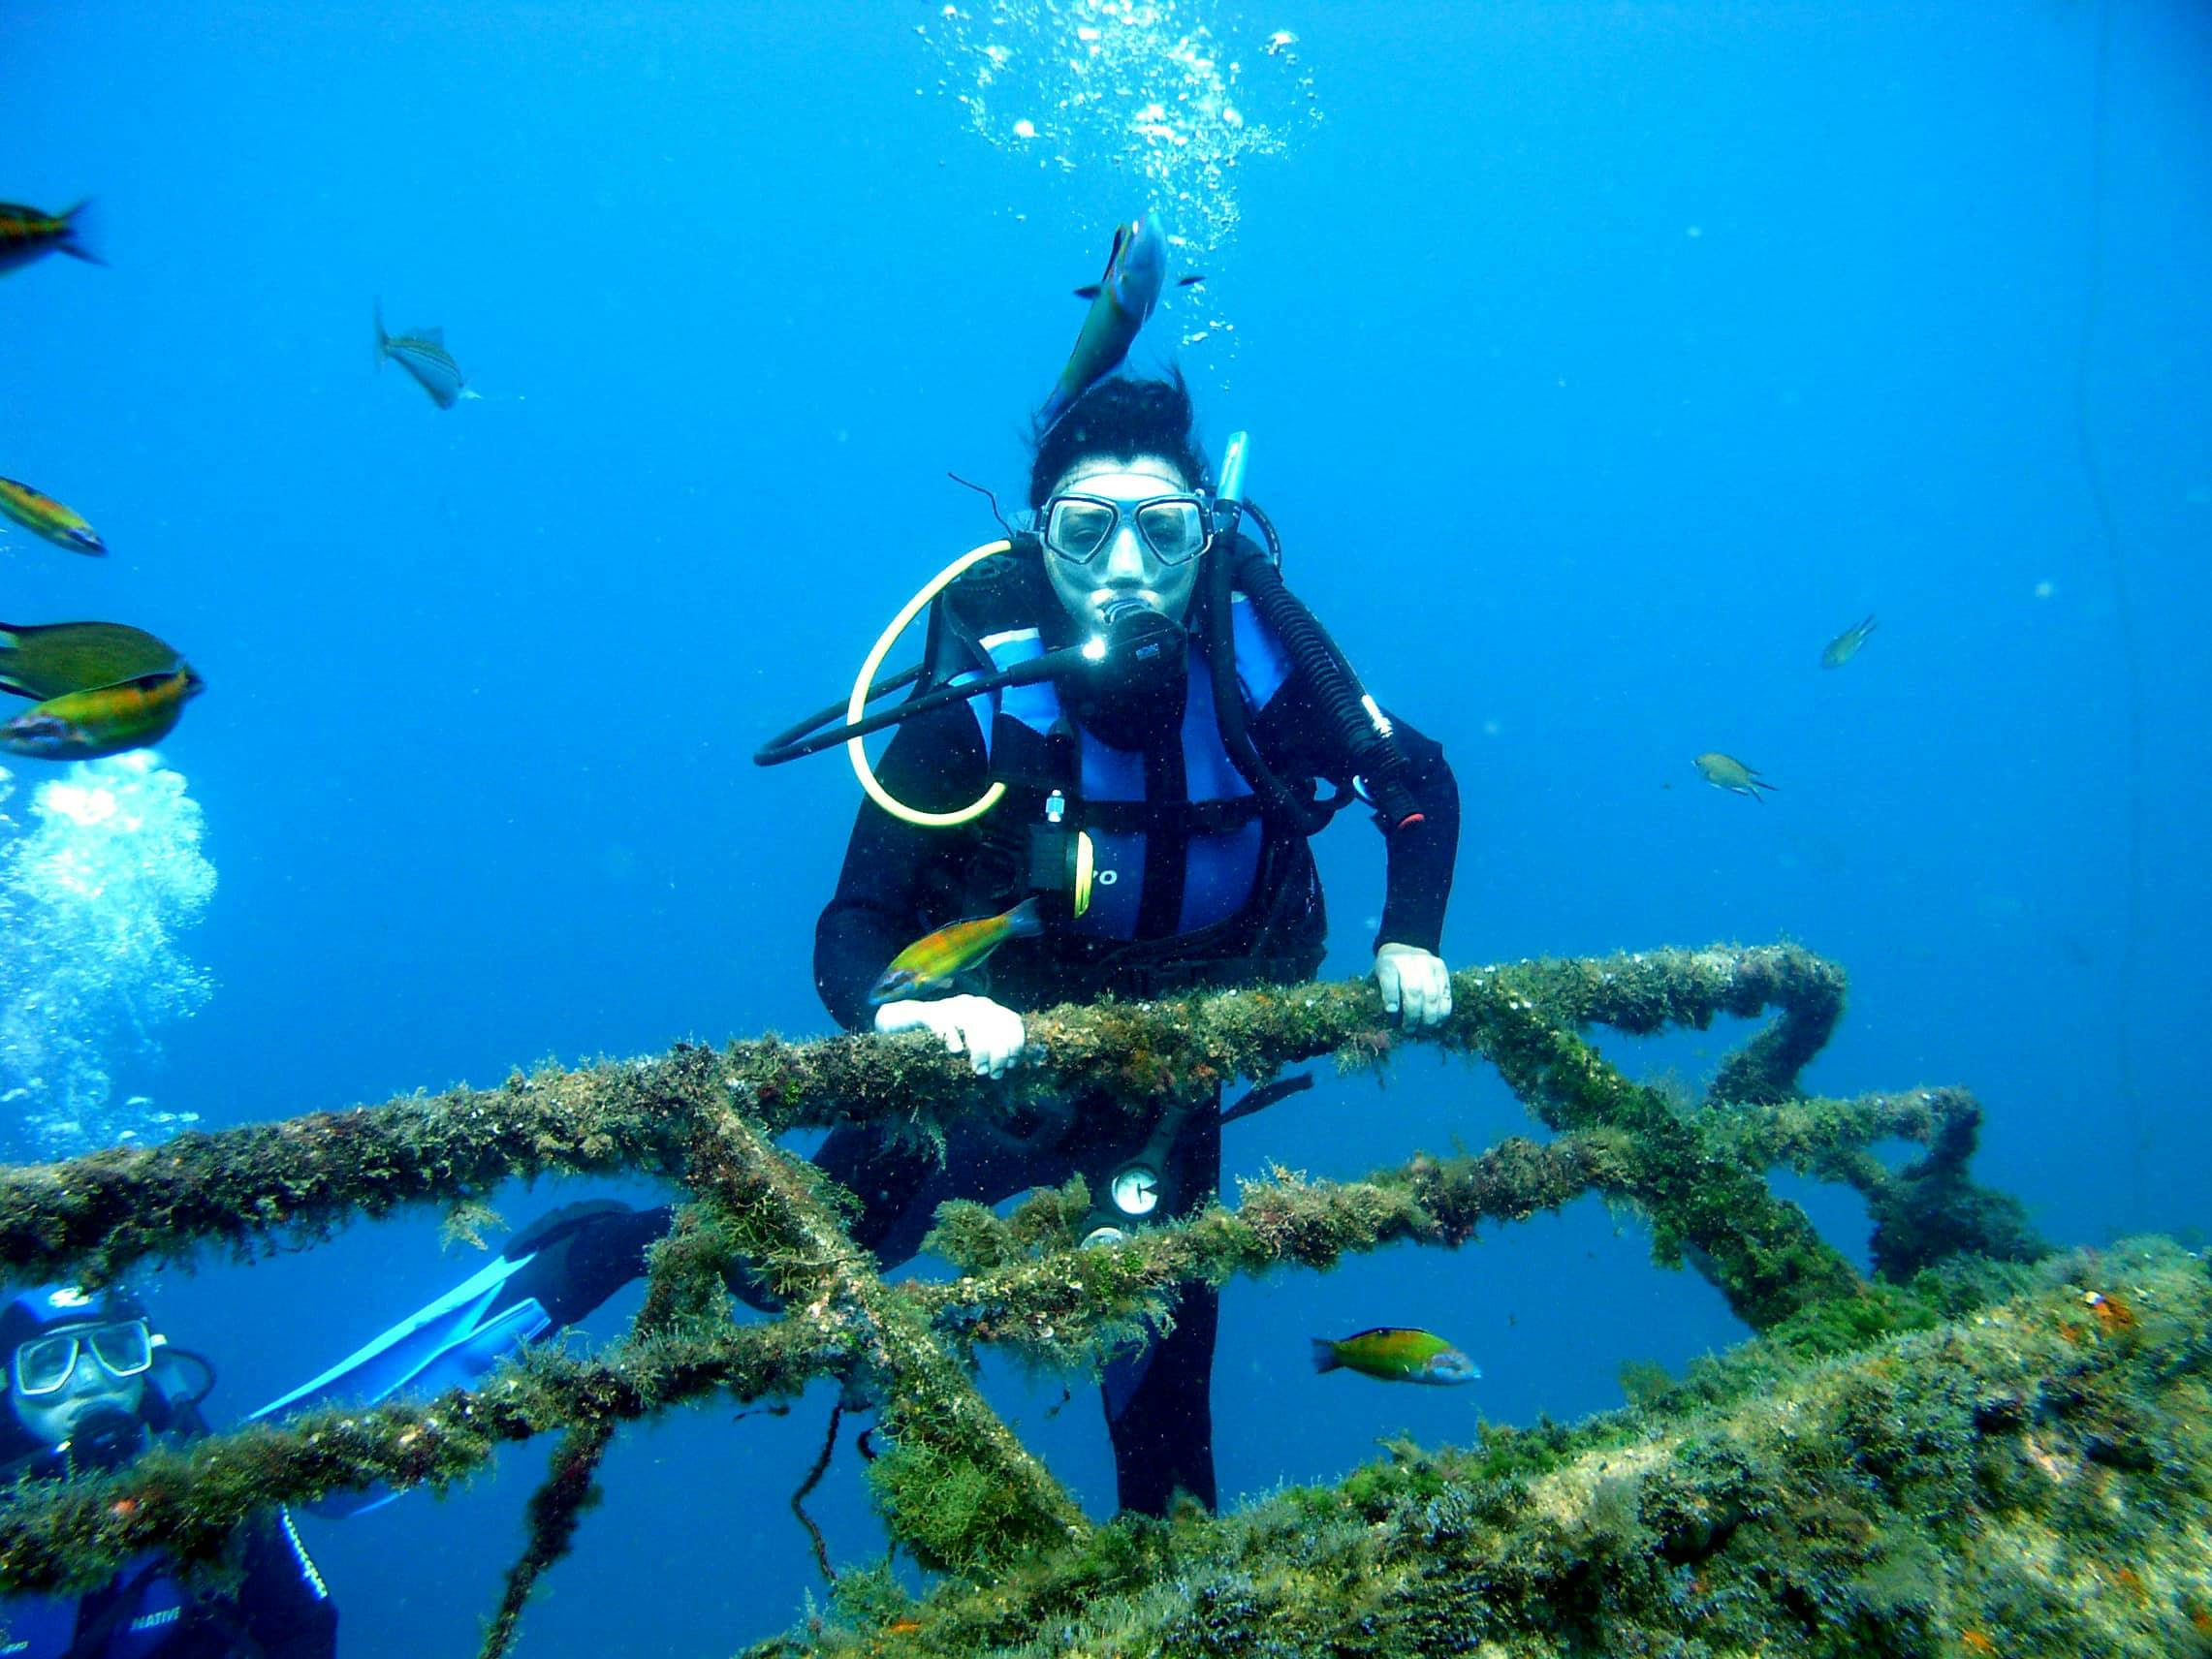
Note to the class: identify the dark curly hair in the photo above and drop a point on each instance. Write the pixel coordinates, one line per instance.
(1122, 418)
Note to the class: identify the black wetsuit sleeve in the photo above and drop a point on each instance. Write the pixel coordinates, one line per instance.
(1294, 738)
(893, 869)
(578, 1256)
(282, 1600)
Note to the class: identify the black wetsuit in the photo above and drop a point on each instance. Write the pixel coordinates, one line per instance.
(900, 881)
(280, 1610)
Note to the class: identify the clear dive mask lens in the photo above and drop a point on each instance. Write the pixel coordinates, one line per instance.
(44, 1363)
(1080, 527)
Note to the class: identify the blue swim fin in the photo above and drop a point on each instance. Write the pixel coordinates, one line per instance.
(449, 1344)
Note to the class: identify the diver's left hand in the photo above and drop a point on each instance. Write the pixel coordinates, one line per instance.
(1414, 980)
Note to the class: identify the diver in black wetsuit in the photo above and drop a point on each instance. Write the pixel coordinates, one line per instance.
(1189, 785)
(1197, 883)
(90, 1385)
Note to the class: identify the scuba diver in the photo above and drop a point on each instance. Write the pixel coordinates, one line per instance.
(1148, 836)
(1112, 754)
(90, 1385)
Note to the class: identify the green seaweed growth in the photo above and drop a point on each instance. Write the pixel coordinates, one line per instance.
(1799, 1494)
(2029, 1475)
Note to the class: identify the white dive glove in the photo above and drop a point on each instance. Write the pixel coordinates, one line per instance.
(1416, 980)
(990, 1031)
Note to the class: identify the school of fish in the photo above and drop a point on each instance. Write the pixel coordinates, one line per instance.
(95, 688)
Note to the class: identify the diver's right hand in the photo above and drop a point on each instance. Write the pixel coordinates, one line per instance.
(990, 1031)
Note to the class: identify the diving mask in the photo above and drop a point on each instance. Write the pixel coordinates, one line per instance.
(1173, 528)
(43, 1365)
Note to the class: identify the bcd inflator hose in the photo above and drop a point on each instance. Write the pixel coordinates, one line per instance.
(1367, 732)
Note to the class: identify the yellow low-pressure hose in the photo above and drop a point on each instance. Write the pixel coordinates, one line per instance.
(858, 704)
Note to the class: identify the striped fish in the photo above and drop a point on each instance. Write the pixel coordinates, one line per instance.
(1397, 1354)
(1136, 270)
(26, 235)
(932, 963)
(42, 516)
(84, 725)
(422, 354)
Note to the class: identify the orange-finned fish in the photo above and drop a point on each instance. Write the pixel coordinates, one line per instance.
(932, 962)
(25, 233)
(422, 354)
(107, 720)
(41, 514)
(1397, 1354)
(1845, 646)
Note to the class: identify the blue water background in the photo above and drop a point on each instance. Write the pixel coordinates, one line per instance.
(1602, 361)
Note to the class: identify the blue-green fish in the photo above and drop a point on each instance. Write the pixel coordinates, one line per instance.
(422, 354)
(1845, 646)
(1397, 1354)
(1136, 270)
(1725, 772)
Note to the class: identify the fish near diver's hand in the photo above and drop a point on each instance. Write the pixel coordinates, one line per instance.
(990, 1032)
(1416, 985)
(935, 962)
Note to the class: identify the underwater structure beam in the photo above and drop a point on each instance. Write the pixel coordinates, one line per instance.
(251, 1189)
(954, 1484)
(1995, 1460)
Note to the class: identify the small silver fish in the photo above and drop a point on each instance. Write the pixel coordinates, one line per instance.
(422, 354)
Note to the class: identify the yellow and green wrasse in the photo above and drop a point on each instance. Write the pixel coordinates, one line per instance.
(1398, 1354)
(1725, 772)
(1136, 270)
(930, 963)
(26, 235)
(1845, 646)
(422, 354)
(39, 660)
(108, 720)
(41, 514)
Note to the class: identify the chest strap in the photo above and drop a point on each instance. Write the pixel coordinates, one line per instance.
(1171, 818)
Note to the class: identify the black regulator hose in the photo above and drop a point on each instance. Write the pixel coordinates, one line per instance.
(806, 738)
(1381, 763)
(1276, 798)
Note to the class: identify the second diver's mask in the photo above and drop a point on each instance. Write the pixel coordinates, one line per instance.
(44, 1363)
